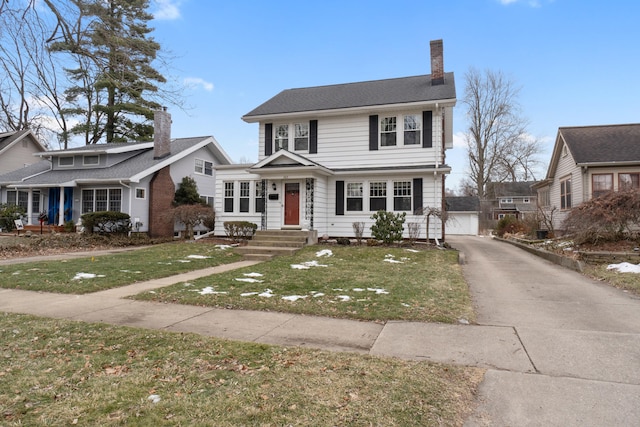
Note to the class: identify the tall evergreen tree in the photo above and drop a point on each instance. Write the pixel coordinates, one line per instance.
(115, 79)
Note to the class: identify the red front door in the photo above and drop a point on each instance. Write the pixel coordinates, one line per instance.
(292, 204)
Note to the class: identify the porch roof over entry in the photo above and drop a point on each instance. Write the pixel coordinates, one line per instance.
(284, 162)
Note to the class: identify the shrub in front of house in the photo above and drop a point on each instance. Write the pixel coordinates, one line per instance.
(8, 214)
(388, 226)
(240, 230)
(510, 225)
(106, 222)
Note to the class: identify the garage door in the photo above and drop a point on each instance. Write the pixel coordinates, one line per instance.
(462, 223)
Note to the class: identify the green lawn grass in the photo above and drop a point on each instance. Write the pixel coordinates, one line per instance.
(58, 372)
(114, 270)
(366, 283)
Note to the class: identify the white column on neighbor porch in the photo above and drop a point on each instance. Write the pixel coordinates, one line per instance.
(29, 206)
(61, 207)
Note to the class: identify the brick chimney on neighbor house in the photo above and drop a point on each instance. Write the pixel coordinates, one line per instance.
(437, 63)
(161, 133)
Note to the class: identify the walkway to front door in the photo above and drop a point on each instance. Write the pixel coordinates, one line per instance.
(292, 203)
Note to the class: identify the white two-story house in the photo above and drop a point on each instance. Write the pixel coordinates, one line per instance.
(334, 155)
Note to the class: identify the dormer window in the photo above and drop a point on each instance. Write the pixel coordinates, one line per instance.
(90, 160)
(65, 161)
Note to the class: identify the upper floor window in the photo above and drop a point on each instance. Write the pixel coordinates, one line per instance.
(411, 129)
(204, 167)
(565, 193)
(90, 160)
(388, 127)
(301, 142)
(65, 161)
(601, 183)
(506, 200)
(354, 196)
(526, 200)
(207, 200)
(628, 180)
(281, 137)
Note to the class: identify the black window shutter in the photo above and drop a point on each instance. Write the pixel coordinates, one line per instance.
(339, 197)
(373, 133)
(313, 137)
(417, 195)
(268, 139)
(427, 129)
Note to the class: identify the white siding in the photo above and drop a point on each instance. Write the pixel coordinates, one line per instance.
(18, 156)
(343, 142)
(566, 168)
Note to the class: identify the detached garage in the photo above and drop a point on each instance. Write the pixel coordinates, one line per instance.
(463, 213)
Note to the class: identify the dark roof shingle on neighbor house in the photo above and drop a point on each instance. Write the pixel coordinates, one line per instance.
(353, 95)
(462, 204)
(603, 144)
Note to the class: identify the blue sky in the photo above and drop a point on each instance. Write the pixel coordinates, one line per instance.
(577, 61)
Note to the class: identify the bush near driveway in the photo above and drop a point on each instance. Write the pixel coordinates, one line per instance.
(365, 283)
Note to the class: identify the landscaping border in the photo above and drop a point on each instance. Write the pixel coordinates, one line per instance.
(563, 261)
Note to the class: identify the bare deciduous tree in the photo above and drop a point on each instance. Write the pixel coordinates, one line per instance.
(498, 146)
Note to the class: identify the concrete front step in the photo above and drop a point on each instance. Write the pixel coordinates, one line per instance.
(276, 243)
(268, 243)
(265, 250)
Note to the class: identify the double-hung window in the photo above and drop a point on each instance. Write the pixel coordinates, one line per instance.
(628, 181)
(378, 196)
(601, 184)
(388, 127)
(228, 196)
(402, 196)
(301, 139)
(354, 196)
(245, 195)
(204, 167)
(281, 137)
(411, 129)
(101, 199)
(565, 194)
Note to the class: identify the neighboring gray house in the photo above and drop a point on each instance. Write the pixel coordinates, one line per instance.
(17, 149)
(136, 178)
(462, 215)
(333, 155)
(516, 199)
(586, 162)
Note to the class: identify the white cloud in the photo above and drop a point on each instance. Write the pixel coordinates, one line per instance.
(167, 10)
(197, 81)
(459, 140)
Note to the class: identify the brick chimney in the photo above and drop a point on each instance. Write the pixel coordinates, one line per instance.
(161, 133)
(437, 63)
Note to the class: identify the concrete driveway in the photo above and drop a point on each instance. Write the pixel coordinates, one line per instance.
(581, 337)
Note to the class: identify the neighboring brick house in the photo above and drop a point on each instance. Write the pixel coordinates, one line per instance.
(588, 161)
(136, 178)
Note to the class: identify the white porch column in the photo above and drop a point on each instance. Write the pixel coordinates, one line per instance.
(61, 207)
(29, 207)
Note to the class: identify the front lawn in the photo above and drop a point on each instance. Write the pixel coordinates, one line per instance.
(58, 372)
(366, 283)
(91, 274)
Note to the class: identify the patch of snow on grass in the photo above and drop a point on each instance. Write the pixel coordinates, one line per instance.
(624, 267)
(129, 271)
(224, 247)
(294, 297)
(80, 276)
(324, 252)
(317, 294)
(378, 291)
(184, 260)
(268, 293)
(248, 294)
(358, 290)
(393, 261)
(209, 291)
(154, 398)
(197, 257)
(253, 274)
(249, 280)
(344, 298)
(307, 265)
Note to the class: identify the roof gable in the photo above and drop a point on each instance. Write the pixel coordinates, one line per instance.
(8, 139)
(406, 90)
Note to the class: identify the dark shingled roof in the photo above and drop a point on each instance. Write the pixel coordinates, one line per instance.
(510, 189)
(462, 204)
(603, 144)
(360, 94)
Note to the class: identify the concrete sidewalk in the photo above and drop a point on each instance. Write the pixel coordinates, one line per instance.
(482, 346)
